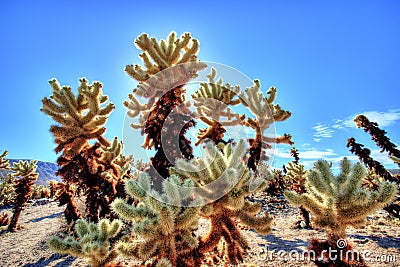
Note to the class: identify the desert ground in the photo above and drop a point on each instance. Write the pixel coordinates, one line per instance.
(379, 239)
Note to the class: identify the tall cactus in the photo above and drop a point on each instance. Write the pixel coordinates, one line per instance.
(364, 155)
(26, 171)
(90, 167)
(162, 83)
(93, 242)
(165, 222)
(223, 180)
(337, 202)
(266, 112)
(297, 174)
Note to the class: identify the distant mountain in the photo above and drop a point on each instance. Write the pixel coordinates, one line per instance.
(395, 171)
(46, 170)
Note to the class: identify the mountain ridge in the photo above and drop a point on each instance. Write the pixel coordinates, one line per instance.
(46, 171)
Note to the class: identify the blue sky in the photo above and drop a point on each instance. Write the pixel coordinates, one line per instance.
(330, 60)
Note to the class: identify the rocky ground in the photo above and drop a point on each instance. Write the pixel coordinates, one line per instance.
(380, 239)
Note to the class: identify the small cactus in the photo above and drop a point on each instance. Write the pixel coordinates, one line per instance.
(93, 242)
(164, 222)
(339, 201)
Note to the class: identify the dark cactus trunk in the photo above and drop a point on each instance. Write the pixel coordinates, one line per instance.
(166, 129)
(14, 219)
(23, 190)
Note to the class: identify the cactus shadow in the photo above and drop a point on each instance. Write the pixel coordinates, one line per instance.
(42, 262)
(46, 217)
(277, 243)
(383, 242)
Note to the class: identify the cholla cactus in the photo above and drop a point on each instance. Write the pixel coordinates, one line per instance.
(93, 242)
(7, 190)
(40, 191)
(52, 186)
(339, 201)
(4, 163)
(297, 175)
(212, 102)
(276, 181)
(81, 117)
(379, 136)
(65, 195)
(266, 113)
(364, 154)
(165, 222)
(223, 180)
(162, 83)
(26, 170)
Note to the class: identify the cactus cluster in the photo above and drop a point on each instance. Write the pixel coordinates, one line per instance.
(40, 191)
(163, 202)
(297, 174)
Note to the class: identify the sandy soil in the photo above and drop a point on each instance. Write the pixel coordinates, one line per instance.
(380, 237)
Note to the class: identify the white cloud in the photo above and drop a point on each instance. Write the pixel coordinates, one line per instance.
(321, 131)
(309, 154)
(383, 119)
